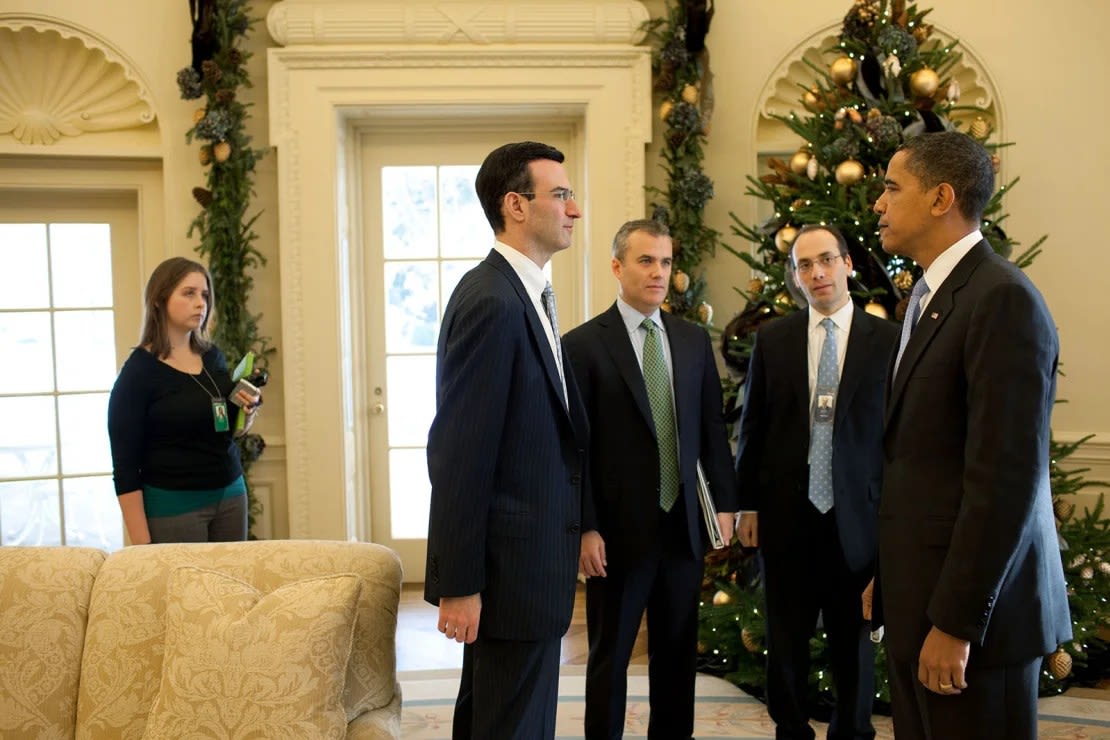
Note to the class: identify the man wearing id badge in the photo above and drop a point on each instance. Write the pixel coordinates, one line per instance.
(809, 471)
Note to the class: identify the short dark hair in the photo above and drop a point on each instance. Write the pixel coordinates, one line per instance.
(957, 159)
(841, 242)
(505, 170)
(161, 285)
(646, 225)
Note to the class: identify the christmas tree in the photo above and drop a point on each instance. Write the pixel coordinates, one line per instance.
(889, 78)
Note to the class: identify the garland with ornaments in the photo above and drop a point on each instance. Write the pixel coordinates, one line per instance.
(226, 234)
(684, 87)
(888, 79)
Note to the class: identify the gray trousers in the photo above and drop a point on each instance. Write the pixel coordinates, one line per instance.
(223, 521)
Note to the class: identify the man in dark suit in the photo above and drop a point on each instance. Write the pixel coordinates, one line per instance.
(809, 470)
(653, 398)
(506, 456)
(971, 585)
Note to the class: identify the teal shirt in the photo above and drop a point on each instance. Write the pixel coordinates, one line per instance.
(164, 502)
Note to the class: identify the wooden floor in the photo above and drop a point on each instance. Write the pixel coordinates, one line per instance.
(421, 647)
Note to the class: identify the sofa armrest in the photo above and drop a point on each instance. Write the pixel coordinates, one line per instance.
(383, 723)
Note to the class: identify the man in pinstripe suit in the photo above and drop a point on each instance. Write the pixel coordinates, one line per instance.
(506, 454)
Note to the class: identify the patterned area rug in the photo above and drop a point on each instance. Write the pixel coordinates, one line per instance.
(722, 711)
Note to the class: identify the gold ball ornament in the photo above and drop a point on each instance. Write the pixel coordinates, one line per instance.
(980, 129)
(690, 94)
(221, 151)
(784, 238)
(799, 161)
(204, 154)
(721, 598)
(665, 110)
(1059, 664)
(755, 286)
(198, 115)
(904, 280)
(849, 172)
(749, 641)
(876, 309)
(702, 648)
(783, 301)
(843, 70)
(705, 312)
(812, 99)
(924, 82)
(680, 281)
(666, 306)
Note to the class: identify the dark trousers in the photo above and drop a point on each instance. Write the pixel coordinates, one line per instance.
(666, 583)
(808, 577)
(999, 703)
(509, 690)
(223, 521)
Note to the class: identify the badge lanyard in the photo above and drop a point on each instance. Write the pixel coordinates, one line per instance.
(219, 405)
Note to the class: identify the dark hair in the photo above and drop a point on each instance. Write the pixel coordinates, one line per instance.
(646, 225)
(161, 285)
(957, 159)
(505, 170)
(841, 242)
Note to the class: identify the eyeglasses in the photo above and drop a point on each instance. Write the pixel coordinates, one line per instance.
(804, 267)
(563, 194)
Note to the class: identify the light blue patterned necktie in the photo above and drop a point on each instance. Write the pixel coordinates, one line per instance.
(547, 298)
(909, 323)
(658, 383)
(820, 438)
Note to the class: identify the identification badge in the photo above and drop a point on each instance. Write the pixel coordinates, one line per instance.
(219, 415)
(824, 411)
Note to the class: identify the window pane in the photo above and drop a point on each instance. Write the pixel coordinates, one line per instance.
(92, 513)
(84, 424)
(27, 444)
(409, 212)
(452, 274)
(410, 493)
(81, 264)
(29, 513)
(465, 232)
(25, 280)
(27, 365)
(412, 399)
(411, 310)
(86, 350)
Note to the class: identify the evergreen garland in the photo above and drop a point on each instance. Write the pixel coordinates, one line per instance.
(888, 81)
(225, 231)
(683, 83)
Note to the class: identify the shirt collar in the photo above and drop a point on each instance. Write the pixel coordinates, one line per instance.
(633, 318)
(947, 260)
(842, 317)
(528, 271)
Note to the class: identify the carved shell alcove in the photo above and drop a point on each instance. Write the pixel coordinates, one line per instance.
(56, 83)
(783, 91)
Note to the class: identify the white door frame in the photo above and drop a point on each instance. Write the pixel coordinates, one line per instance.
(316, 93)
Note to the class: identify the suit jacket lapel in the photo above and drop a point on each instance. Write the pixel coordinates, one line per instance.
(939, 308)
(796, 364)
(855, 357)
(539, 335)
(619, 346)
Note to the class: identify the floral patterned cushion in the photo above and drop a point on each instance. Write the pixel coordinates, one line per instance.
(44, 604)
(241, 664)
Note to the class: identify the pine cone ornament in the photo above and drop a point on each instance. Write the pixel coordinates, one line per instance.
(680, 281)
(749, 641)
(1063, 509)
(1059, 664)
(705, 312)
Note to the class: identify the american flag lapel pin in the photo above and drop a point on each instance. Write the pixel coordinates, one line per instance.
(934, 316)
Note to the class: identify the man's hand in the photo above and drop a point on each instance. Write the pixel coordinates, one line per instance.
(867, 597)
(748, 529)
(942, 661)
(458, 617)
(726, 520)
(592, 561)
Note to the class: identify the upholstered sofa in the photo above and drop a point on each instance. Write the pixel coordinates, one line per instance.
(281, 639)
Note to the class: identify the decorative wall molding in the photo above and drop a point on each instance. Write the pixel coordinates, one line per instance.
(317, 94)
(326, 22)
(782, 92)
(81, 84)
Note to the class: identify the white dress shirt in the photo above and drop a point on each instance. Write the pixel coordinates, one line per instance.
(944, 264)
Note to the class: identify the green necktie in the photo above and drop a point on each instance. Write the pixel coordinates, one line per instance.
(662, 413)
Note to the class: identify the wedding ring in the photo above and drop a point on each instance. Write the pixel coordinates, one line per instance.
(945, 686)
